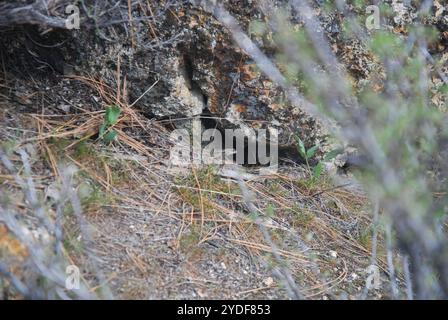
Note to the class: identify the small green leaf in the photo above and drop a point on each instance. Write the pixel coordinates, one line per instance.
(110, 136)
(443, 89)
(332, 154)
(310, 152)
(102, 130)
(317, 170)
(301, 148)
(253, 216)
(439, 213)
(112, 114)
(8, 147)
(270, 210)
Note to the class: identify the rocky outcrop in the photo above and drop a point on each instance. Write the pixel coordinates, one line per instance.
(178, 61)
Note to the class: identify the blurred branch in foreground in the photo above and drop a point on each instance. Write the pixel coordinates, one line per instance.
(401, 134)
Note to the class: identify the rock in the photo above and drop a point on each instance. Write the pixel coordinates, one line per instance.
(191, 64)
(195, 67)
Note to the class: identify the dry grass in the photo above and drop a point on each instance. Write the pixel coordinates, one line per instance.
(166, 232)
(320, 229)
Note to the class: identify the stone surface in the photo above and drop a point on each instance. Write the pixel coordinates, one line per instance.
(179, 61)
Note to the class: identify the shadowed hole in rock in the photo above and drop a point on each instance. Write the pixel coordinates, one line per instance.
(28, 53)
(246, 154)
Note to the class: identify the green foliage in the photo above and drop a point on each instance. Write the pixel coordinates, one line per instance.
(308, 154)
(332, 154)
(317, 170)
(83, 150)
(386, 45)
(301, 147)
(8, 146)
(110, 119)
(269, 210)
(311, 152)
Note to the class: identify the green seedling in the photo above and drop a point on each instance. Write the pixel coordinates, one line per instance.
(106, 133)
